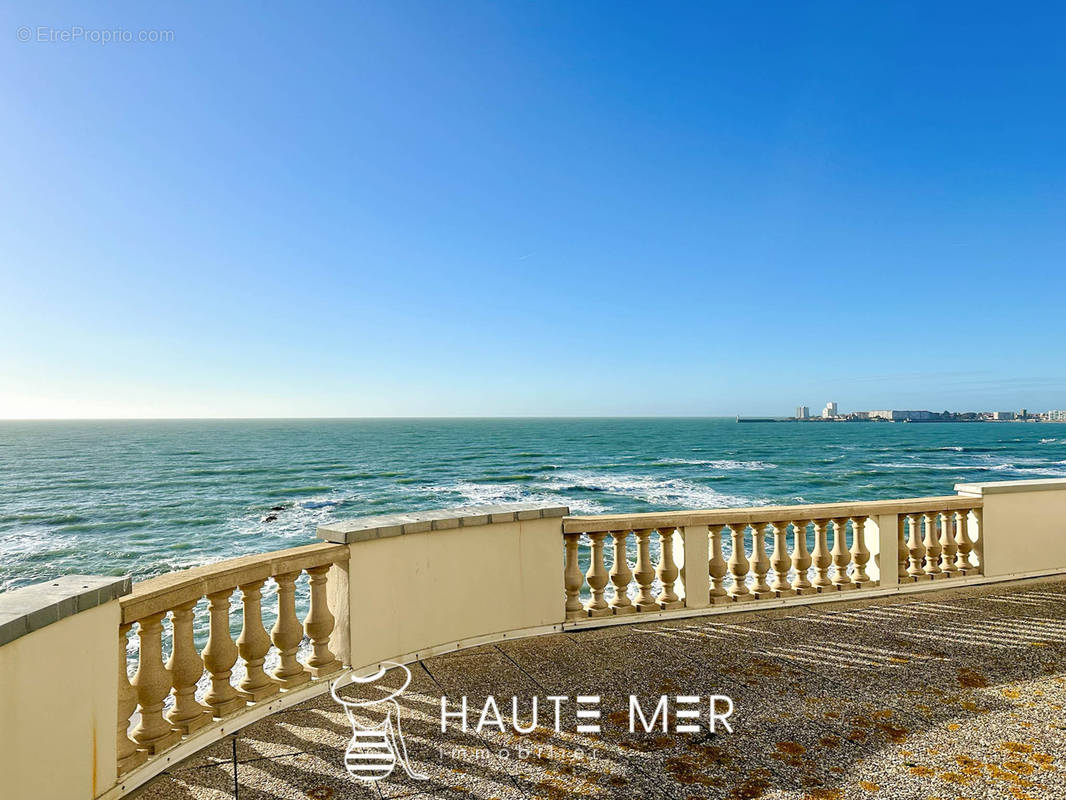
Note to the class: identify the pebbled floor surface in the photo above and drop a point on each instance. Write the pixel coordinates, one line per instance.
(958, 693)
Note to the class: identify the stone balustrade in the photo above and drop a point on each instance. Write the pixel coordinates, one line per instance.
(398, 588)
(761, 553)
(161, 698)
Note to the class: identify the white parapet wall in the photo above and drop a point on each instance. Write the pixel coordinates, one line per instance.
(58, 694)
(420, 583)
(1023, 525)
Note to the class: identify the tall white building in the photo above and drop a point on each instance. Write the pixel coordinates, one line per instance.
(830, 410)
(1056, 416)
(803, 412)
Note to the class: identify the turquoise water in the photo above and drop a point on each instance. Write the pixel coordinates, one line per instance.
(143, 498)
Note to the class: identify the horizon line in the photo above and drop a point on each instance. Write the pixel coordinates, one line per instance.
(369, 417)
(403, 417)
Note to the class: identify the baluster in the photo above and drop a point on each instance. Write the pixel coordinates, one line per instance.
(220, 655)
(860, 553)
(152, 683)
(186, 668)
(801, 559)
(948, 546)
(739, 564)
(645, 573)
(962, 536)
(717, 566)
(319, 625)
(841, 555)
(253, 644)
(667, 570)
(821, 556)
(915, 548)
(621, 575)
(902, 550)
(573, 577)
(287, 634)
(781, 560)
(128, 754)
(932, 546)
(978, 538)
(760, 563)
(597, 576)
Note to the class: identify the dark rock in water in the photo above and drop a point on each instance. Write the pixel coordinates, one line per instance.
(270, 517)
(278, 508)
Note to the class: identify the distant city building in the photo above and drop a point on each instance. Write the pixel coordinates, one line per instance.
(859, 415)
(1003, 415)
(900, 416)
(1056, 416)
(830, 410)
(803, 412)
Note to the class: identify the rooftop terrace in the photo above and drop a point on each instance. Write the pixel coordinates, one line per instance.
(911, 648)
(947, 694)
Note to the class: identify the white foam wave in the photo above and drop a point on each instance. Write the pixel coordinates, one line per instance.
(1016, 467)
(1049, 472)
(660, 492)
(726, 464)
(924, 465)
(472, 493)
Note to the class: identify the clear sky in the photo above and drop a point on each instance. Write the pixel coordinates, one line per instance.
(497, 208)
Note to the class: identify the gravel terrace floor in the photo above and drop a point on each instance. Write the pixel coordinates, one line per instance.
(953, 694)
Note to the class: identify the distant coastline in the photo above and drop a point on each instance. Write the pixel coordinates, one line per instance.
(895, 421)
(831, 413)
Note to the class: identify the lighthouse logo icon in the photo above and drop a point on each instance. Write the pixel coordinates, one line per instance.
(375, 750)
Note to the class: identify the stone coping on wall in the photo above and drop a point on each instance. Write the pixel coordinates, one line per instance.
(1006, 487)
(23, 611)
(766, 514)
(384, 526)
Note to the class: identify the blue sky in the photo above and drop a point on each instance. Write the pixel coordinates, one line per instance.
(482, 208)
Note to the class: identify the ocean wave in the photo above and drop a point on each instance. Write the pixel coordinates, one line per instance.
(520, 478)
(473, 493)
(47, 519)
(313, 504)
(1049, 472)
(1020, 466)
(938, 467)
(116, 525)
(724, 464)
(193, 522)
(661, 492)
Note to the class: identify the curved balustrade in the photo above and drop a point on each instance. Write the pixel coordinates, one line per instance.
(750, 555)
(161, 698)
(397, 588)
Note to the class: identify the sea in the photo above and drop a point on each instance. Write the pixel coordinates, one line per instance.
(142, 498)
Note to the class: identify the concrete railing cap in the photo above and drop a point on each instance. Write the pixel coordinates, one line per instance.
(1006, 487)
(383, 526)
(26, 610)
